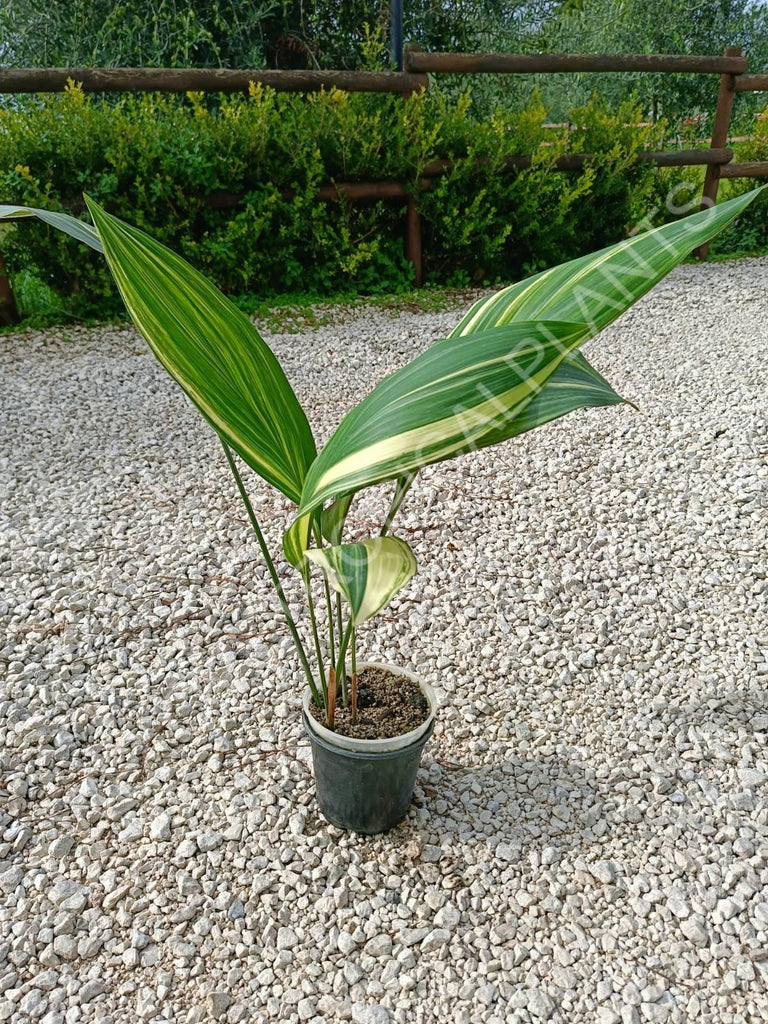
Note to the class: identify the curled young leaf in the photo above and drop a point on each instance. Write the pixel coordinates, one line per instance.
(368, 574)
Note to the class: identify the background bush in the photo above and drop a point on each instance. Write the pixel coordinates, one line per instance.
(158, 160)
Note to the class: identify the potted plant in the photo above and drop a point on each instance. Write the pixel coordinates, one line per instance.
(511, 364)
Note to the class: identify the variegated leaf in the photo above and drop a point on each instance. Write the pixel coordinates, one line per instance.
(450, 399)
(575, 384)
(213, 351)
(62, 221)
(597, 288)
(368, 574)
(334, 517)
(296, 540)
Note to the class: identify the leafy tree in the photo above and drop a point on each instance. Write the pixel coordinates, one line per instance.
(658, 26)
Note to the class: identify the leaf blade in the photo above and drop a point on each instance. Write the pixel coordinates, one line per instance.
(367, 574)
(62, 221)
(598, 287)
(439, 405)
(213, 352)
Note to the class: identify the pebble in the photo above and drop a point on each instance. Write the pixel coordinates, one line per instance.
(592, 805)
(160, 827)
(540, 1005)
(287, 938)
(371, 1013)
(218, 1003)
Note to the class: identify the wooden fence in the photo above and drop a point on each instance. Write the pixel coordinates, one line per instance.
(418, 65)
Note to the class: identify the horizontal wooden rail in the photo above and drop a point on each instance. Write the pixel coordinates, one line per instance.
(759, 169)
(576, 161)
(751, 83)
(536, 63)
(17, 80)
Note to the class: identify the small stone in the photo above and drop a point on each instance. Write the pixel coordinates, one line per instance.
(65, 946)
(217, 1003)
(678, 907)
(726, 909)
(139, 940)
(431, 854)
(352, 972)
(447, 916)
(306, 1009)
(119, 809)
(11, 879)
(607, 1015)
(507, 853)
(346, 943)
(487, 994)
(145, 1003)
(603, 871)
(287, 938)
(371, 1013)
(749, 778)
(60, 847)
(236, 910)
(34, 1003)
(539, 1004)
(379, 945)
(160, 827)
(297, 823)
(209, 841)
(132, 832)
(88, 947)
(131, 958)
(91, 989)
(65, 890)
(435, 939)
(695, 931)
(603, 991)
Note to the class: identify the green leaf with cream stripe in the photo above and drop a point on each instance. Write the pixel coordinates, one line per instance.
(597, 288)
(575, 384)
(451, 399)
(334, 517)
(368, 574)
(213, 351)
(296, 540)
(62, 221)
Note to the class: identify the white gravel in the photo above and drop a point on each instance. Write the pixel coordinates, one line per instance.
(589, 839)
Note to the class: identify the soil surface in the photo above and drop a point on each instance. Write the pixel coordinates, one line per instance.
(387, 705)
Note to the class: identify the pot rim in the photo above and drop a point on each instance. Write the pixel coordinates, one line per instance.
(405, 739)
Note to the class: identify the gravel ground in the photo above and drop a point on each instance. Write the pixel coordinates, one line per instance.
(589, 838)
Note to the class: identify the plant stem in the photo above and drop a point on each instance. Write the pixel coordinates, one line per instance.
(341, 664)
(340, 619)
(330, 710)
(402, 487)
(354, 676)
(273, 575)
(316, 637)
(329, 606)
(328, 603)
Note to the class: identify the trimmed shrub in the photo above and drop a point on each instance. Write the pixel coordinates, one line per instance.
(163, 162)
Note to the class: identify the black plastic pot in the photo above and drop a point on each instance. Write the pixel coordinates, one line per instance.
(366, 792)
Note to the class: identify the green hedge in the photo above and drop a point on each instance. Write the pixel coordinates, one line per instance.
(153, 159)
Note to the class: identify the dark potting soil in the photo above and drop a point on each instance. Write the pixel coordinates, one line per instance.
(387, 705)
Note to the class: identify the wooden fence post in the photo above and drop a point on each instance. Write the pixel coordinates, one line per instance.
(9, 314)
(413, 241)
(720, 126)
